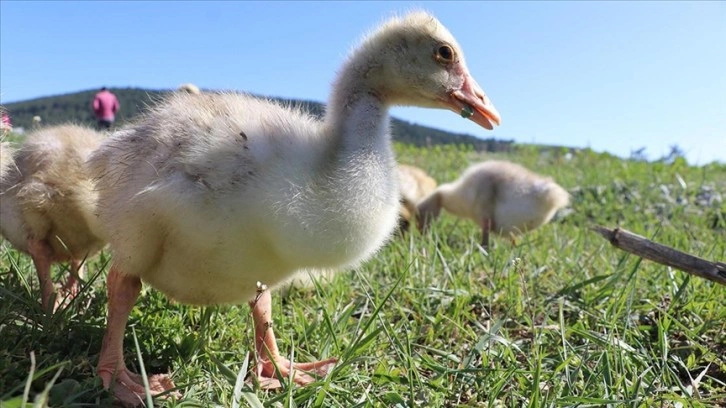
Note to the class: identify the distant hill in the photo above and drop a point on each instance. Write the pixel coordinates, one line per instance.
(76, 107)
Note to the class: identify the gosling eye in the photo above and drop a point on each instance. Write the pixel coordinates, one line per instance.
(444, 54)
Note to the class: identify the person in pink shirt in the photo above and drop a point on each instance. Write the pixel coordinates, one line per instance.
(5, 126)
(105, 106)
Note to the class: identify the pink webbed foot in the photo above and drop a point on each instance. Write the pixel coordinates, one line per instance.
(268, 354)
(72, 287)
(128, 387)
(65, 294)
(68, 291)
(43, 257)
(302, 373)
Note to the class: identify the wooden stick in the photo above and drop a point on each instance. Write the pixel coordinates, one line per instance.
(643, 247)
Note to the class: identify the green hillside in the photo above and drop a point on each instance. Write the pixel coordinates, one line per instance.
(76, 107)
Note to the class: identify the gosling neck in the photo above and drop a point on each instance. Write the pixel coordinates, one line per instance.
(447, 197)
(356, 114)
(445, 190)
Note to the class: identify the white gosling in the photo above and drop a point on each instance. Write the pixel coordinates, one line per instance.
(189, 88)
(208, 195)
(500, 196)
(47, 204)
(414, 184)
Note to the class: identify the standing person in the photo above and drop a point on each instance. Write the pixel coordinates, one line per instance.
(105, 106)
(5, 126)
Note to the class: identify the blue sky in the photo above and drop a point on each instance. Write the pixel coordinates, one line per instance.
(613, 76)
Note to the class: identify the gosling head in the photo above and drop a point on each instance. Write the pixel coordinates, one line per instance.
(414, 60)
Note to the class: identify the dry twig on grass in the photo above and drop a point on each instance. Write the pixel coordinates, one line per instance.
(643, 247)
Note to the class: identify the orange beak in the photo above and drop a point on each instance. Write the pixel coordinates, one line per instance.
(472, 103)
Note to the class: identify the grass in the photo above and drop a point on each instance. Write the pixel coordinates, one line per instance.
(560, 319)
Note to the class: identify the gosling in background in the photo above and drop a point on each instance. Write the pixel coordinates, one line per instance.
(501, 197)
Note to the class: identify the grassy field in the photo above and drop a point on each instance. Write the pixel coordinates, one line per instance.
(560, 319)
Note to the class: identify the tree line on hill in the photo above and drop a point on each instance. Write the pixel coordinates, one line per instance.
(76, 107)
